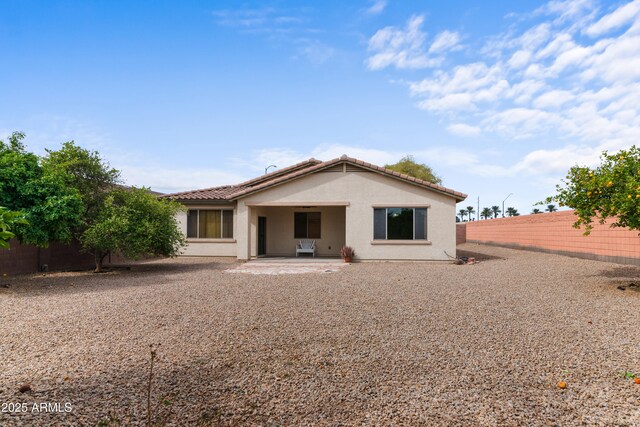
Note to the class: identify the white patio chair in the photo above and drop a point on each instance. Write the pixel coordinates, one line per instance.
(306, 246)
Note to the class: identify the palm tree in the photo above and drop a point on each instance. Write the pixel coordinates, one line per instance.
(470, 210)
(486, 213)
(462, 213)
(536, 211)
(551, 208)
(496, 211)
(512, 211)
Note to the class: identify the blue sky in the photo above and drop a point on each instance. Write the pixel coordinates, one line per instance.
(498, 98)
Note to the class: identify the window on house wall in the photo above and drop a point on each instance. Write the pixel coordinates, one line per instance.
(210, 224)
(400, 223)
(306, 225)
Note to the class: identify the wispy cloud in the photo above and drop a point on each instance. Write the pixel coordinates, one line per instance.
(615, 19)
(444, 41)
(315, 51)
(291, 27)
(463, 129)
(253, 18)
(172, 180)
(376, 7)
(544, 81)
(403, 48)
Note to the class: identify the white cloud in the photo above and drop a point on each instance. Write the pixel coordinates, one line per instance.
(574, 13)
(446, 40)
(377, 7)
(546, 82)
(462, 89)
(521, 123)
(465, 130)
(448, 156)
(172, 180)
(405, 48)
(553, 99)
(402, 48)
(615, 19)
(519, 59)
(618, 62)
(556, 161)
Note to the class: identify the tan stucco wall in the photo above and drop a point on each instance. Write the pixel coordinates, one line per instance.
(362, 191)
(208, 247)
(280, 222)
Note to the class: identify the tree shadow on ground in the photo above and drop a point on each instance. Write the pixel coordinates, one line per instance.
(626, 272)
(479, 256)
(135, 274)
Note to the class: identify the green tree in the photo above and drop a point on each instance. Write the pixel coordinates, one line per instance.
(462, 213)
(536, 211)
(408, 166)
(470, 211)
(512, 211)
(85, 171)
(8, 219)
(134, 223)
(551, 208)
(50, 208)
(486, 213)
(611, 190)
(496, 211)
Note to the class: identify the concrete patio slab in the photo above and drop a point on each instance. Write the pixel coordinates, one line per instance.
(276, 266)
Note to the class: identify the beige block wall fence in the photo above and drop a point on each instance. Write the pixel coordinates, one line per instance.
(553, 232)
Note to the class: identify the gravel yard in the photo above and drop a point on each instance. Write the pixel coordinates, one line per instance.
(370, 344)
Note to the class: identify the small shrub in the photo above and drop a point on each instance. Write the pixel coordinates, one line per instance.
(347, 252)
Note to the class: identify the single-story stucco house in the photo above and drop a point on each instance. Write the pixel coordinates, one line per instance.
(381, 214)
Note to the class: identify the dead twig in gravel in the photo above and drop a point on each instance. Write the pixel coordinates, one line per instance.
(153, 348)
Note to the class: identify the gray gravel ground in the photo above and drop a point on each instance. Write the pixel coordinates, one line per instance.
(372, 344)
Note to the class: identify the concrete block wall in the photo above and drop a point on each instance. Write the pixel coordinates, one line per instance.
(461, 233)
(24, 259)
(553, 232)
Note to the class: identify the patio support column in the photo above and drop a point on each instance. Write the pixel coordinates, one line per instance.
(243, 238)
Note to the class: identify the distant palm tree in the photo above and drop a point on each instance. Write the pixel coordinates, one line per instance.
(512, 211)
(486, 213)
(470, 210)
(496, 211)
(462, 213)
(536, 211)
(551, 208)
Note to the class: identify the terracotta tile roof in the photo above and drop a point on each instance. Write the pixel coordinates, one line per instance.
(233, 192)
(213, 193)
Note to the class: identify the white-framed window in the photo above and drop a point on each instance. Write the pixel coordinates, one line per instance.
(210, 223)
(400, 223)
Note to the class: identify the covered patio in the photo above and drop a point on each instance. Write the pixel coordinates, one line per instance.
(276, 230)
